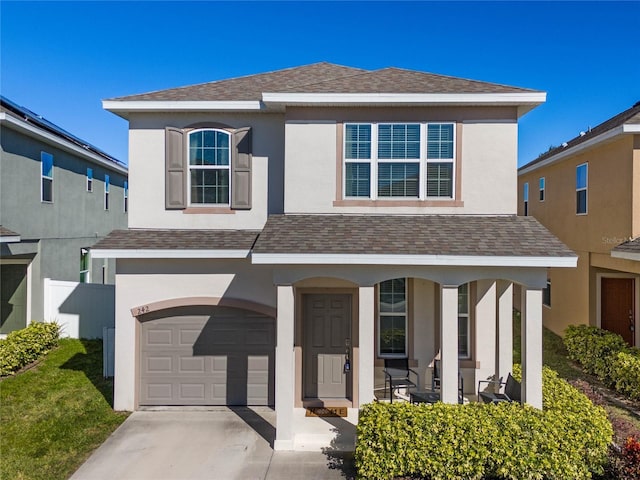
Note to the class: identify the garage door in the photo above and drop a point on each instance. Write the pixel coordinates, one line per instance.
(207, 356)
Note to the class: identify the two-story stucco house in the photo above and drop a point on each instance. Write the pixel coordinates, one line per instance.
(58, 196)
(587, 192)
(291, 230)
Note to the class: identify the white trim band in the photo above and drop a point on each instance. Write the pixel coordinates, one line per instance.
(626, 255)
(167, 253)
(10, 239)
(433, 260)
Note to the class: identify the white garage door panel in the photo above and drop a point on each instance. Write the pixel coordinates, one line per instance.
(217, 356)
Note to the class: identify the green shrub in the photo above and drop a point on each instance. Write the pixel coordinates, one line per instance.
(626, 373)
(595, 349)
(567, 440)
(22, 347)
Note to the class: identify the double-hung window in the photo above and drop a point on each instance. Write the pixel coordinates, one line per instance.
(392, 318)
(525, 198)
(582, 174)
(89, 179)
(464, 349)
(399, 161)
(106, 191)
(541, 188)
(46, 190)
(209, 167)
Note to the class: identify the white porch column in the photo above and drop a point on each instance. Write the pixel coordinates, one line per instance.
(532, 346)
(285, 369)
(366, 339)
(504, 338)
(449, 343)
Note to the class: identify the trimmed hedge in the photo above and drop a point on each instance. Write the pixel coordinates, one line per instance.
(22, 347)
(567, 440)
(606, 355)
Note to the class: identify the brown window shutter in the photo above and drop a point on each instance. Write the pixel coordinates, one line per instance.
(241, 169)
(175, 193)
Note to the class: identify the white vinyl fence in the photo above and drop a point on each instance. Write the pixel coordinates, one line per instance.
(81, 309)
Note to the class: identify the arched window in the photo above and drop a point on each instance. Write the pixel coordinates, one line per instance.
(209, 167)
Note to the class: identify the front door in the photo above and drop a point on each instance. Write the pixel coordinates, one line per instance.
(618, 307)
(327, 345)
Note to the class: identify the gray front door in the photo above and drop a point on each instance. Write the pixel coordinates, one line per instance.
(327, 341)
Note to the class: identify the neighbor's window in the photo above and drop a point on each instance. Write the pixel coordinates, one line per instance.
(89, 179)
(541, 188)
(546, 294)
(126, 196)
(46, 192)
(581, 188)
(84, 266)
(525, 197)
(464, 350)
(209, 167)
(399, 160)
(106, 192)
(392, 318)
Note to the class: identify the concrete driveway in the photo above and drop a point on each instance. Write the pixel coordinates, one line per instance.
(222, 443)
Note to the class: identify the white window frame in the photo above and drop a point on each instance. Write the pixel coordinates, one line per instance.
(462, 315)
(107, 185)
(44, 177)
(422, 162)
(525, 198)
(542, 189)
(404, 314)
(125, 194)
(208, 167)
(89, 179)
(585, 189)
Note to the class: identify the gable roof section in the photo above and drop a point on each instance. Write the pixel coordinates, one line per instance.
(424, 239)
(327, 84)
(629, 250)
(625, 122)
(8, 236)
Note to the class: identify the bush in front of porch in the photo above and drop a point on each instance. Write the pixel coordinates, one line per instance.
(567, 440)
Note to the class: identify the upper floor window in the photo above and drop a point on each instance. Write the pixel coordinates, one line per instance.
(541, 188)
(525, 198)
(581, 188)
(392, 318)
(464, 347)
(46, 191)
(89, 179)
(106, 192)
(396, 160)
(209, 167)
(126, 196)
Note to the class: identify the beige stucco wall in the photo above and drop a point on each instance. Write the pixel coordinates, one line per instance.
(147, 170)
(613, 216)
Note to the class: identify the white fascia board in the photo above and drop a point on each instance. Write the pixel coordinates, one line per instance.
(10, 239)
(432, 260)
(626, 255)
(124, 106)
(603, 137)
(35, 132)
(168, 253)
(408, 98)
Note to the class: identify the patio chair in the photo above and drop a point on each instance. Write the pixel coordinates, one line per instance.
(435, 377)
(512, 391)
(397, 375)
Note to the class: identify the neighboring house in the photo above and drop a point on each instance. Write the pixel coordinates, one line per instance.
(587, 192)
(58, 196)
(291, 230)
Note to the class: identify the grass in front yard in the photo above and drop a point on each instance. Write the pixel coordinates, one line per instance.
(54, 415)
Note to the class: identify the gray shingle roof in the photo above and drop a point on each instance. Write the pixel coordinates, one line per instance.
(630, 246)
(323, 78)
(146, 239)
(629, 116)
(5, 232)
(409, 235)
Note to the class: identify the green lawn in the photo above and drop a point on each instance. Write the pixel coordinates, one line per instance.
(54, 415)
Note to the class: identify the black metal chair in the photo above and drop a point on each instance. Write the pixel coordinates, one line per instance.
(397, 375)
(512, 391)
(435, 378)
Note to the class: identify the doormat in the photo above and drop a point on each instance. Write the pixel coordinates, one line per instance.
(326, 412)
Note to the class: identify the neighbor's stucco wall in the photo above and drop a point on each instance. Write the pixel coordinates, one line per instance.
(147, 171)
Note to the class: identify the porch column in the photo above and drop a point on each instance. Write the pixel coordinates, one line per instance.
(366, 344)
(504, 338)
(449, 343)
(485, 332)
(285, 369)
(532, 346)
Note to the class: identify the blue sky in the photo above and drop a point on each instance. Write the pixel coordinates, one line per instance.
(60, 59)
